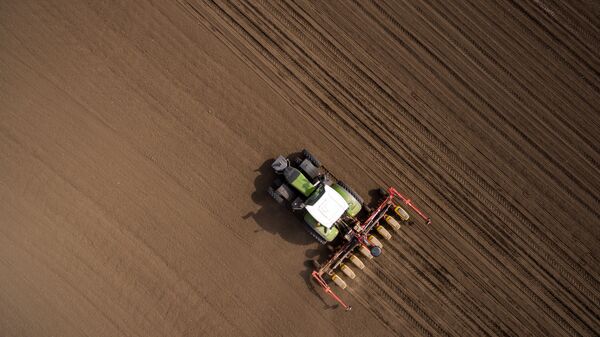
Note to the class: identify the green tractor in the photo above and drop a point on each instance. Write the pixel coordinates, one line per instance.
(325, 203)
(337, 216)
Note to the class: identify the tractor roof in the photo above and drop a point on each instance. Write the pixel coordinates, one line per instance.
(328, 208)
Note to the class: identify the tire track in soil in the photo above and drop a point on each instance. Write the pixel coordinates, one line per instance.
(445, 285)
(394, 281)
(543, 13)
(546, 271)
(580, 17)
(473, 12)
(592, 83)
(315, 100)
(502, 119)
(394, 301)
(502, 200)
(552, 128)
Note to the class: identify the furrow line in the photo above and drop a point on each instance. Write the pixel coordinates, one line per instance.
(487, 119)
(549, 127)
(457, 305)
(396, 307)
(503, 201)
(566, 46)
(531, 53)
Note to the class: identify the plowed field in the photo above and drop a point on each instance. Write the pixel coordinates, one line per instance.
(136, 139)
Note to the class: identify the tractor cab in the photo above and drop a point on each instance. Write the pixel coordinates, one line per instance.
(311, 189)
(326, 205)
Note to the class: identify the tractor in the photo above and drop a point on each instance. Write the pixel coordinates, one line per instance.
(335, 215)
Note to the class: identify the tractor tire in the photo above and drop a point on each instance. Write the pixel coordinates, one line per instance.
(365, 252)
(275, 195)
(277, 182)
(351, 191)
(347, 271)
(383, 232)
(311, 158)
(357, 262)
(392, 222)
(339, 281)
(314, 234)
(375, 241)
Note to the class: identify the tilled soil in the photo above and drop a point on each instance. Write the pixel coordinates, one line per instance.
(136, 139)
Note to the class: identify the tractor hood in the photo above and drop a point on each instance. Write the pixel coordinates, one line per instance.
(328, 208)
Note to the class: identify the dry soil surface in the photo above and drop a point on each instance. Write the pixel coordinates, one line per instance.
(136, 138)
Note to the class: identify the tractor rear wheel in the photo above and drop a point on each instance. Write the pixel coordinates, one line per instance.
(357, 262)
(351, 191)
(383, 232)
(314, 234)
(311, 158)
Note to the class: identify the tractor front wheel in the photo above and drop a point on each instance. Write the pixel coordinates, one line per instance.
(311, 158)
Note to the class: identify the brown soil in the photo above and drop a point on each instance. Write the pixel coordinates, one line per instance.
(135, 139)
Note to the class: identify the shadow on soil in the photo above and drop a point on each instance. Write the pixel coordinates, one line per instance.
(277, 219)
(273, 217)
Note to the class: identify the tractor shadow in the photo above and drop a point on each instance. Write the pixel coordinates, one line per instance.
(374, 198)
(273, 217)
(277, 219)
